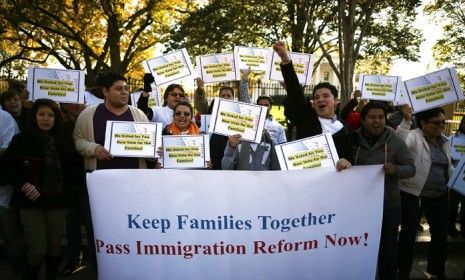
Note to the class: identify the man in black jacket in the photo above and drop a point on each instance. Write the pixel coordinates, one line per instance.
(320, 118)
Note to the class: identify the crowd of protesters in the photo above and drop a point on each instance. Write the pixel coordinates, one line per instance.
(46, 149)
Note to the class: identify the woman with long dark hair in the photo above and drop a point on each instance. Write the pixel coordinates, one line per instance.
(33, 164)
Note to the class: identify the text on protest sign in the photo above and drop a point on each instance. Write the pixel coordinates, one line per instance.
(379, 87)
(169, 67)
(132, 139)
(217, 68)
(65, 86)
(434, 89)
(185, 151)
(154, 98)
(303, 66)
(232, 117)
(311, 152)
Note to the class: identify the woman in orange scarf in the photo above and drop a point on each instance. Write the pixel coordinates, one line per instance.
(182, 121)
(182, 125)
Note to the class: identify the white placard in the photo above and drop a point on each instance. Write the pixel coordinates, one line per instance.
(457, 180)
(65, 86)
(133, 139)
(185, 151)
(311, 152)
(205, 123)
(434, 89)
(303, 66)
(457, 147)
(203, 224)
(379, 87)
(257, 59)
(154, 98)
(217, 68)
(169, 67)
(232, 117)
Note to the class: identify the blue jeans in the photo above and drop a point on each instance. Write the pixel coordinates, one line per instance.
(437, 214)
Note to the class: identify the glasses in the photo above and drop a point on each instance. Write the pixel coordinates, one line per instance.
(186, 114)
(174, 94)
(437, 122)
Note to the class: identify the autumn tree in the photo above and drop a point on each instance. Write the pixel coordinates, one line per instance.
(449, 49)
(341, 31)
(92, 35)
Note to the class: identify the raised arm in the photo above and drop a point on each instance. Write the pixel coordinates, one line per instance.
(244, 86)
(143, 102)
(296, 105)
(403, 130)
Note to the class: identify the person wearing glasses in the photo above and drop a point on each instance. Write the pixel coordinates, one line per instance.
(379, 144)
(182, 123)
(174, 93)
(321, 118)
(426, 191)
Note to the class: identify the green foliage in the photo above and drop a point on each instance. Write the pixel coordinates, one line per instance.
(341, 31)
(449, 49)
(221, 25)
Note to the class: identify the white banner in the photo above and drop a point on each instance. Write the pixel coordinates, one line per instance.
(201, 224)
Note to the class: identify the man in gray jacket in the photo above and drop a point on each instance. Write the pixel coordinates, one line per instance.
(379, 144)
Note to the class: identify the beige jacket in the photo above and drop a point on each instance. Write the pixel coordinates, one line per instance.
(84, 135)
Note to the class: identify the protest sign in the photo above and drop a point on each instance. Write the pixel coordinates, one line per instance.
(303, 66)
(217, 68)
(379, 87)
(65, 86)
(204, 123)
(133, 139)
(457, 180)
(311, 152)
(300, 224)
(154, 98)
(232, 117)
(185, 151)
(457, 147)
(434, 89)
(169, 67)
(257, 59)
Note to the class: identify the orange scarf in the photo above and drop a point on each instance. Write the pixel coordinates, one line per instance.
(193, 129)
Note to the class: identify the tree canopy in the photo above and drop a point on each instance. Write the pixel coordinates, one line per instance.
(341, 31)
(88, 34)
(449, 49)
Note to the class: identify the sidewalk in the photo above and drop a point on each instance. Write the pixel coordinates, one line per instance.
(455, 264)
